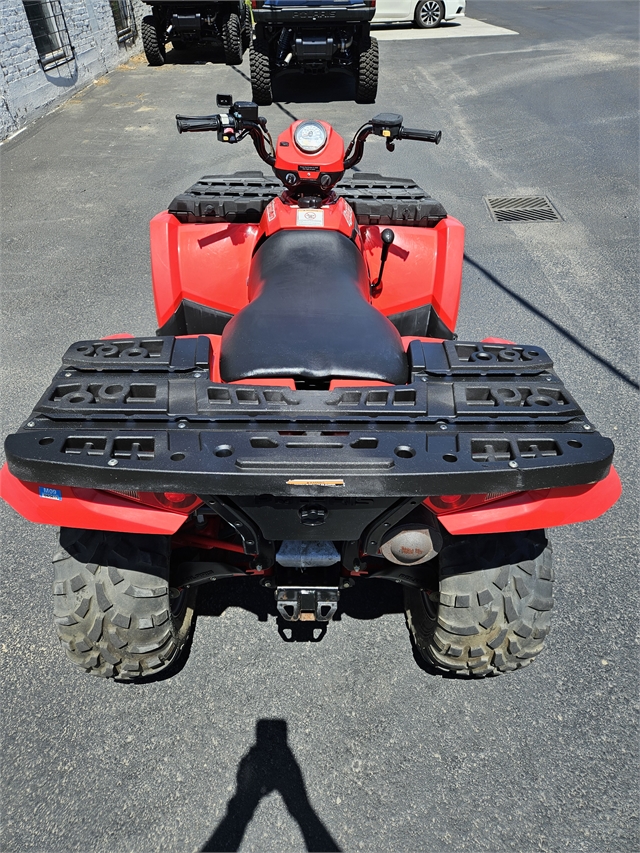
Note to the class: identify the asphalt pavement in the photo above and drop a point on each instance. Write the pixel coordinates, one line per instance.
(347, 744)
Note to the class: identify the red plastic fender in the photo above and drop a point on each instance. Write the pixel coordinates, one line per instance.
(204, 263)
(537, 509)
(86, 508)
(423, 267)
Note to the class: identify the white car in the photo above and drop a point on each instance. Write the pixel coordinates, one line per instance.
(425, 14)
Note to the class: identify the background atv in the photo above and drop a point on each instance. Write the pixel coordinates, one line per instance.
(187, 23)
(313, 37)
(307, 418)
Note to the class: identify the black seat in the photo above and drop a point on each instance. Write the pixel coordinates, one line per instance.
(308, 317)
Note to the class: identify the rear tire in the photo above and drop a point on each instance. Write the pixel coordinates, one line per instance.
(232, 39)
(113, 609)
(261, 92)
(247, 32)
(429, 14)
(367, 75)
(153, 41)
(491, 612)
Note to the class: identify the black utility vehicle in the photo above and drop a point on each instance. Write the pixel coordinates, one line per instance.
(313, 37)
(187, 23)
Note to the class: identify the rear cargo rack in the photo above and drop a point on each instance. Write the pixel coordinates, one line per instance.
(143, 414)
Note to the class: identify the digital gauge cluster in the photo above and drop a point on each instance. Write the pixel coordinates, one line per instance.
(310, 137)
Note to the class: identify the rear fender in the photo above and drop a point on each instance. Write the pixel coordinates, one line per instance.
(204, 263)
(537, 509)
(424, 267)
(90, 509)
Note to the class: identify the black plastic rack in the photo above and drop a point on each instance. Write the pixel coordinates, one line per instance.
(144, 414)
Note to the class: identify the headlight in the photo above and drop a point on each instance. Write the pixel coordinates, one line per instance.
(310, 136)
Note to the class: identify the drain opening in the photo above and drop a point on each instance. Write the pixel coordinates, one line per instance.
(536, 208)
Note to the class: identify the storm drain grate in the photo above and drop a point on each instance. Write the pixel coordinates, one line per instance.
(534, 208)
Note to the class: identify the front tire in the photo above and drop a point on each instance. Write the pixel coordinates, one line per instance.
(261, 92)
(232, 39)
(492, 609)
(367, 74)
(153, 41)
(113, 606)
(429, 14)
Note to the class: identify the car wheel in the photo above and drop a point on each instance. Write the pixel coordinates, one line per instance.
(429, 14)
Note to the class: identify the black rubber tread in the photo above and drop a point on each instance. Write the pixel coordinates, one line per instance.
(261, 93)
(232, 39)
(152, 41)
(113, 612)
(492, 610)
(367, 75)
(246, 27)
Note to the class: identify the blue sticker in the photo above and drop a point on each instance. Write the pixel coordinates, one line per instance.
(52, 494)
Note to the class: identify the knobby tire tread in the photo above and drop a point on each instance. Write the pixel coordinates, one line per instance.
(367, 74)
(232, 39)
(492, 608)
(261, 92)
(153, 45)
(117, 622)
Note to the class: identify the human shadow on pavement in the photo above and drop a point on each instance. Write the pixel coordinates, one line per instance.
(270, 765)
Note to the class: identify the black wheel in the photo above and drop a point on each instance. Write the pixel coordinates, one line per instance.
(490, 611)
(428, 14)
(179, 45)
(247, 31)
(232, 39)
(114, 610)
(261, 93)
(367, 75)
(153, 41)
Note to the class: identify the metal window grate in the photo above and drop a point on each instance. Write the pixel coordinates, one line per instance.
(49, 30)
(535, 208)
(124, 19)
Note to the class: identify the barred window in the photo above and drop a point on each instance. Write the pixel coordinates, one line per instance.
(49, 30)
(124, 19)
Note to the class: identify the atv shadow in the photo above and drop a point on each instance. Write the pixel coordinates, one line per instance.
(268, 766)
(293, 87)
(202, 54)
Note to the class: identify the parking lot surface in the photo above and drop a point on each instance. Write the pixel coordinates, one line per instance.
(348, 743)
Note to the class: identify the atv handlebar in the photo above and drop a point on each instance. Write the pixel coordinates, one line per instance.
(196, 124)
(389, 126)
(242, 120)
(420, 135)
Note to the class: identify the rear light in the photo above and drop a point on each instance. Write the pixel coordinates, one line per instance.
(452, 503)
(257, 4)
(176, 501)
(370, 4)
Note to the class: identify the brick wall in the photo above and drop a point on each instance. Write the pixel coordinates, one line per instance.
(28, 91)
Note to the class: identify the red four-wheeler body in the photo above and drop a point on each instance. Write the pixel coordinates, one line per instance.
(306, 416)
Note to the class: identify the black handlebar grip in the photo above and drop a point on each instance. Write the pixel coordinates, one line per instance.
(421, 135)
(197, 124)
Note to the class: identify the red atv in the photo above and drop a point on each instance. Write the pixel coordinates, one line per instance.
(306, 416)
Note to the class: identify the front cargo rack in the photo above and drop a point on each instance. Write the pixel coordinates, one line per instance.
(144, 414)
(243, 197)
